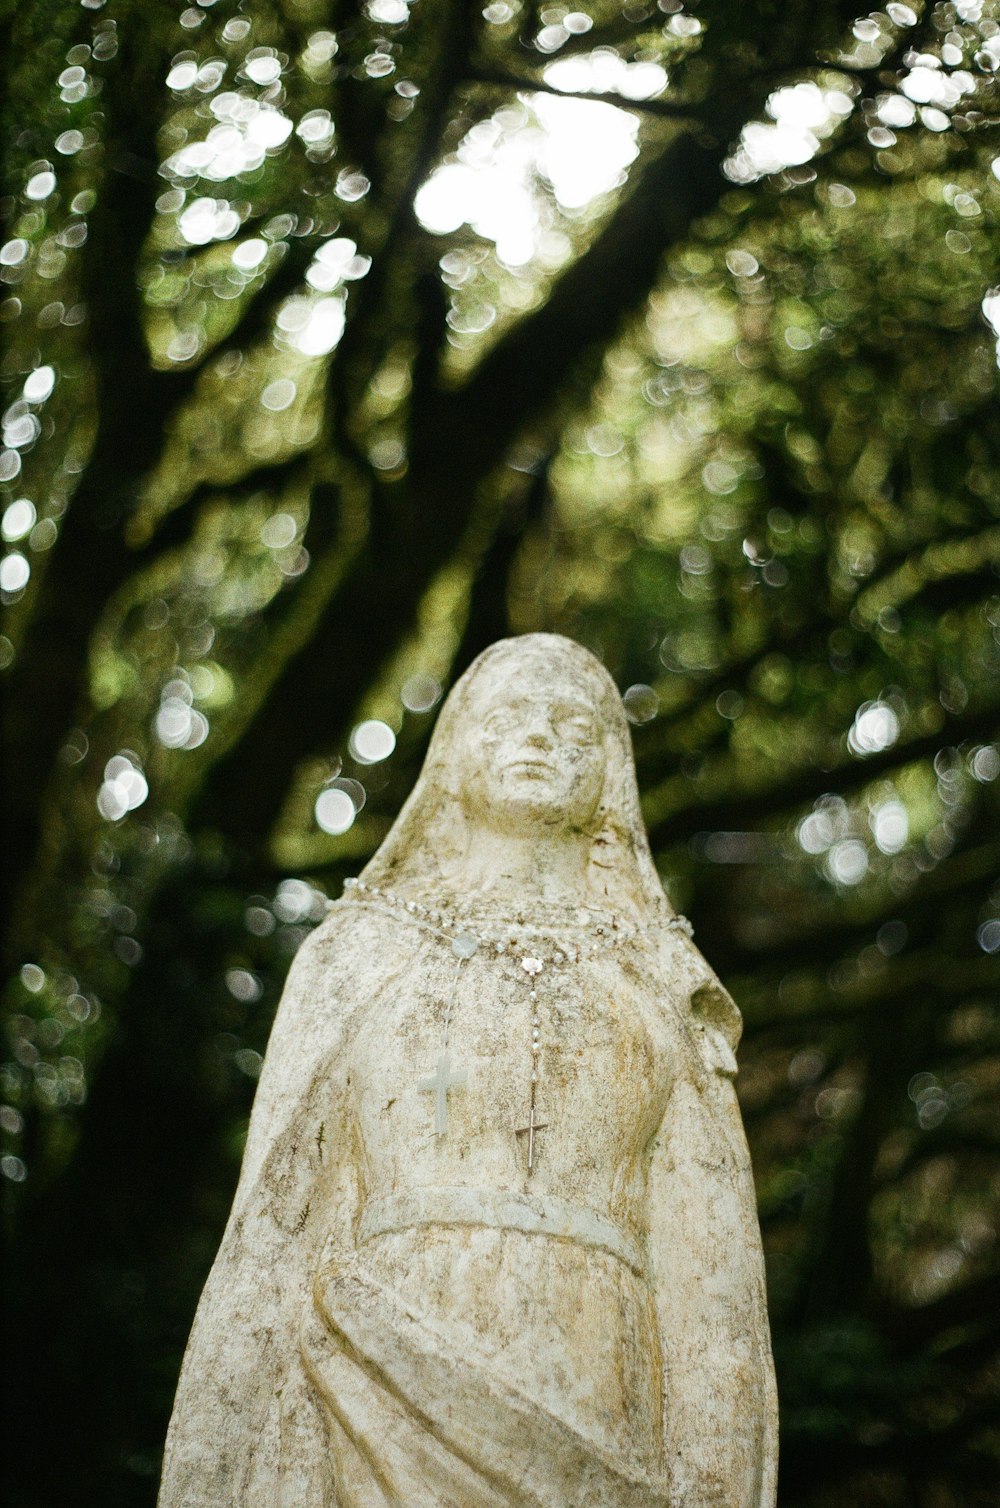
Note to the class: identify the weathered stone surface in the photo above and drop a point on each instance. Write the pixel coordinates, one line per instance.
(495, 1240)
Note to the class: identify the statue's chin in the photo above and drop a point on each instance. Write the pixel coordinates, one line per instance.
(527, 802)
(521, 789)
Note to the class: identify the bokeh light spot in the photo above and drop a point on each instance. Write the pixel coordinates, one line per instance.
(18, 519)
(890, 825)
(371, 741)
(10, 465)
(243, 985)
(389, 12)
(334, 811)
(262, 66)
(249, 254)
(847, 862)
(15, 572)
(208, 220)
(988, 935)
(32, 977)
(124, 787)
(420, 692)
(39, 384)
(279, 531)
(279, 395)
(13, 253)
(641, 703)
(322, 328)
(182, 75)
(875, 727)
(985, 763)
(40, 185)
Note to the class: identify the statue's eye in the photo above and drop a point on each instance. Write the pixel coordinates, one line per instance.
(576, 726)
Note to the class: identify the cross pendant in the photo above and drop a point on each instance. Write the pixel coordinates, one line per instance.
(438, 1084)
(530, 1130)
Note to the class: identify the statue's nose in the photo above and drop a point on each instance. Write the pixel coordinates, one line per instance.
(539, 736)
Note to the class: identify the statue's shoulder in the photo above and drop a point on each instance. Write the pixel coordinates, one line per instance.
(341, 921)
(682, 960)
(353, 931)
(340, 964)
(705, 1004)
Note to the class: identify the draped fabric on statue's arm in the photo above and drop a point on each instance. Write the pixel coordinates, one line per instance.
(245, 1429)
(720, 1417)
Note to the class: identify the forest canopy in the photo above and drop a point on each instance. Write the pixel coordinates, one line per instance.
(341, 340)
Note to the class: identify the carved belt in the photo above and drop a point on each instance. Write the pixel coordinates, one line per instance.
(535, 1214)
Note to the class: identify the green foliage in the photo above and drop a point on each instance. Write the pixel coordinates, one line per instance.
(343, 339)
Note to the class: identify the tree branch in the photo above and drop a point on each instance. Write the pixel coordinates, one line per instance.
(461, 437)
(681, 812)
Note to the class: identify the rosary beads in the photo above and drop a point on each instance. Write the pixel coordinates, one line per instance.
(606, 934)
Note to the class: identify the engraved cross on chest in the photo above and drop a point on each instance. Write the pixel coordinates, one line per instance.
(438, 1084)
(530, 1131)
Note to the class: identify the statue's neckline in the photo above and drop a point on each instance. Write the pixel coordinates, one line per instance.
(489, 921)
(580, 924)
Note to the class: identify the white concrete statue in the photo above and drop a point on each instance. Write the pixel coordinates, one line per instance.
(495, 1240)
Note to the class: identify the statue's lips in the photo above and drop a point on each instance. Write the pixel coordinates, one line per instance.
(534, 768)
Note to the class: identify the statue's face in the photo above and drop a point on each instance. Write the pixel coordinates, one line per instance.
(535, 747)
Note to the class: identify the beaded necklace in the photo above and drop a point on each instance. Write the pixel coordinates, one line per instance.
(534, 948)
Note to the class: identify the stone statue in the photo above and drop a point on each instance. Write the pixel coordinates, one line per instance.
(495, 1239)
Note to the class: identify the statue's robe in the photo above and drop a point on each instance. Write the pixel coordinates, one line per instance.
(343, 1356)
